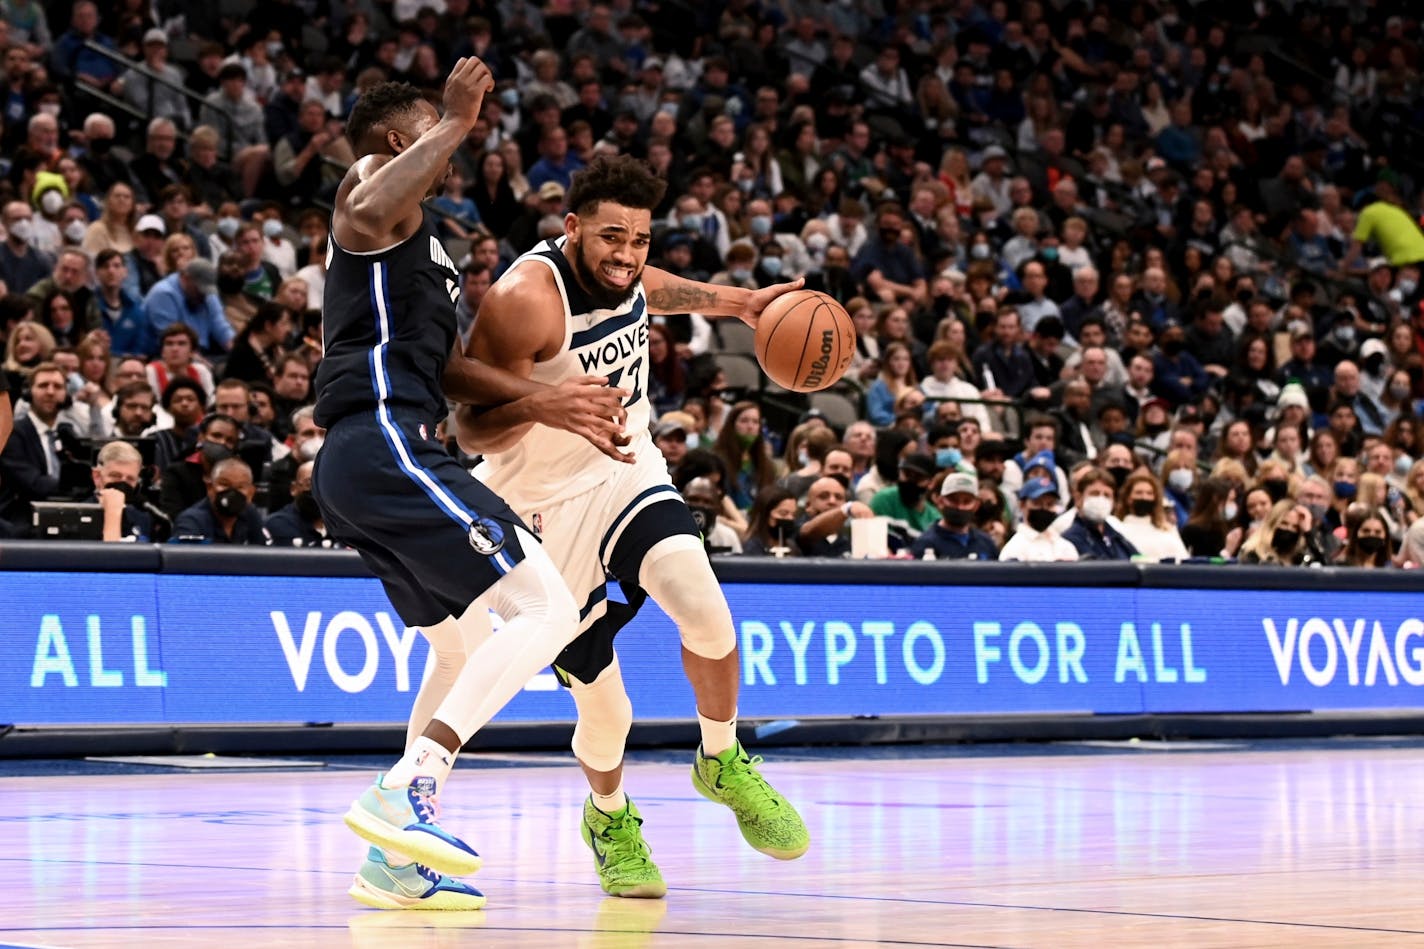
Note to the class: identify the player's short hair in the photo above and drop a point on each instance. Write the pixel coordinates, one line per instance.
(621, 179)
(373, 112)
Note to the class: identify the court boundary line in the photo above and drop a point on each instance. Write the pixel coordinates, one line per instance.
(810, 896)
(517, 929)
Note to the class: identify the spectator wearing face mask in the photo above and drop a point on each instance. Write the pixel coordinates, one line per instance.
(225, 515)
(299, 524)
(771, 530)
(1090, 533)
(21, 264)
(116, 489)
(1369, 544)
(1281, 539)
(954, 536)
(704, 500)
(304, 442)
(185, 481)
(1142, 510)
(1177, 376)
(1179, 474)
(1036, 540)
(906, 502)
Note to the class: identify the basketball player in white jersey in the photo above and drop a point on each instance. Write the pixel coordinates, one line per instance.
(570, 307)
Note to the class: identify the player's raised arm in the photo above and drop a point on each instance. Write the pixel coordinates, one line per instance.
(669, 293)
(520, 320)
(379, 202)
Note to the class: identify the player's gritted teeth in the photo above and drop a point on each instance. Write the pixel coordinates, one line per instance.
(616, 275)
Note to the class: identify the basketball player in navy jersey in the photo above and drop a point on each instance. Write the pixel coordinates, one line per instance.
(446, 548)
(572, 306)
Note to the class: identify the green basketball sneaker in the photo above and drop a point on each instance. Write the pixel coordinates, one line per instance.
(624, 859)
(767, 821)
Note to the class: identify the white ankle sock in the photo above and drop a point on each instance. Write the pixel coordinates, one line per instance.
(717, 737)
(611, 803)
(424, 758)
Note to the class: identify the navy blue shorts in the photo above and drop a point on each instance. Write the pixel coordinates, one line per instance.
(435, 536)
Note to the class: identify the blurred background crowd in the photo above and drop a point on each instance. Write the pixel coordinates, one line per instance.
(1129, 279)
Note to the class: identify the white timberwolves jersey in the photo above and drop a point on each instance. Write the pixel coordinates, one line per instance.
(550, 465)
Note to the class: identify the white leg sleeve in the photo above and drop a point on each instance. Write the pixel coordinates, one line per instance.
(451, 642)
(680, 580)
(540, 620)
(448, 652)
(605, 713)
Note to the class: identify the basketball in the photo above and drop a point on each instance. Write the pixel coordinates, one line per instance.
(805, 340)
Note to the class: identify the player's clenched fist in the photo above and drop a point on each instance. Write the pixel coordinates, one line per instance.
(465, 90)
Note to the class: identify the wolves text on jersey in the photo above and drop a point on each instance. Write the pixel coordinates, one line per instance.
(606, 354)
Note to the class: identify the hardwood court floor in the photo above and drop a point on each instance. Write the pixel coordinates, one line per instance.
(1105, 847)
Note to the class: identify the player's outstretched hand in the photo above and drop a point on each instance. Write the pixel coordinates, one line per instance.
(760, 298)
(590, 408)
(465, 90)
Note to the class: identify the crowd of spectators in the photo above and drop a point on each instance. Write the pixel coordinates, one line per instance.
(1129, 279)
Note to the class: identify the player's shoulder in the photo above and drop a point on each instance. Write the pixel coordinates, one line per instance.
(526, 280)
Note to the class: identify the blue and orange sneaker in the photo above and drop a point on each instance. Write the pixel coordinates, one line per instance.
(403, 819)
(382, 886)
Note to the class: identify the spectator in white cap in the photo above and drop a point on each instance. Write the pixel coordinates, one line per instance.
(145, 261)
(1374, 368)
(954, 536)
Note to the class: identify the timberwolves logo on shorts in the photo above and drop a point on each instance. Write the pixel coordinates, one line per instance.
(486, 537)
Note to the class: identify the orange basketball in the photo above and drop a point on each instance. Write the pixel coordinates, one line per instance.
(805, 340)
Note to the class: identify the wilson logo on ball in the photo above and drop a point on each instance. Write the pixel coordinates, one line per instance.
(823, 362)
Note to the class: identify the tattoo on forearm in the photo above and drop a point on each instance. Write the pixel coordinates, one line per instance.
(681, 298)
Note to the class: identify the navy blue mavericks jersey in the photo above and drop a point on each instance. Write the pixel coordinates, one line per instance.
(388, 324)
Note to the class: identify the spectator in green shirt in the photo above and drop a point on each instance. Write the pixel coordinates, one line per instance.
(905, 502)
(1387, 225)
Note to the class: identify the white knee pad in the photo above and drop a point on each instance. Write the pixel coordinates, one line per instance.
(679, 578)
(605, 713)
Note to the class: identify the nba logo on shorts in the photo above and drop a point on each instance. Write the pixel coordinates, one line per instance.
(538, 523)
(424, 435)
(486, 537)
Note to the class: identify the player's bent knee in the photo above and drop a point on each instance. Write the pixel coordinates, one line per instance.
(447, 642)
(534, 589)
(605, 714)
(681, 581)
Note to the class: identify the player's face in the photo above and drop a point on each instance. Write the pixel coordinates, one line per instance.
(610, 250)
